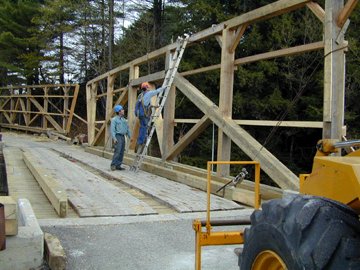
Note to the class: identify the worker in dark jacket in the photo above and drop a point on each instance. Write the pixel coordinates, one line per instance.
(143, 110)
(119, 129)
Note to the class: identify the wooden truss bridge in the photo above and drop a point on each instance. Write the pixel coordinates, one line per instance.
(38, 108)
(334, 19)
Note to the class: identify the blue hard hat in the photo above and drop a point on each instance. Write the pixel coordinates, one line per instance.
(118, 108)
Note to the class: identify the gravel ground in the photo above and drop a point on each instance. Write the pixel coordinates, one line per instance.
(147, 245)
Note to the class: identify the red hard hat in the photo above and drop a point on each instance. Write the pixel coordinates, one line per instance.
(145, 85)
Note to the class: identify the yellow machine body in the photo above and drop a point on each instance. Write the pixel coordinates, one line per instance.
(335, 177)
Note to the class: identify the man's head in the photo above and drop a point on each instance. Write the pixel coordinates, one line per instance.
(145, 86)
(118, 109)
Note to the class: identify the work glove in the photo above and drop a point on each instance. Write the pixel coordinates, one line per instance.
(115, 141)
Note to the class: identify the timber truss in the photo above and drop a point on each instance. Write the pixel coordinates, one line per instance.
(38, 108)
(334, 17)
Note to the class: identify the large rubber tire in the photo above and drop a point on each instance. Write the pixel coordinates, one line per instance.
(306, 232)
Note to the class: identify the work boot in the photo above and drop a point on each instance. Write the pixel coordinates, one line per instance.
(120, 168)
(113, 167)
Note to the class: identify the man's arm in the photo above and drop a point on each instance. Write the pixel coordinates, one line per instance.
(150, 94)
(112, 129)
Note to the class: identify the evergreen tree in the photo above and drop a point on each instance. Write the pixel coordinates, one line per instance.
(19, 47)
(55, 23)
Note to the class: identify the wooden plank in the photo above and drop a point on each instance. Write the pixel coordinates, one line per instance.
(48, 117)
(193, 133)
(279, 173)
(238, 35)
(91, 110)
(15, 110)
(7, 116)
(262, 13)
(346, 11)
(89, 194)
(42, 86)
(271, 10)
(162, 51)
(2, 106)
(132, 119)
(169, 114)
(72, 108)
(154, 77)
(189, 175)
(305, 124)
(53, 190)
(262, 56)
(225, 98)
(79, 117)
(270, 123)
(178, 196)
(32, 112)
(21, 182)
(10, 211)
(200, 70)
(211, 31)
(317, 10)
(18, 127)
(109, 110)
(23, 108)
(45, 108)
(281, 53)
(100, 132)
(334, 73)
(34, 118)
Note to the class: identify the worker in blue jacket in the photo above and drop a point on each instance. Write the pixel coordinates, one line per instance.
(119, 129)
(143, 111)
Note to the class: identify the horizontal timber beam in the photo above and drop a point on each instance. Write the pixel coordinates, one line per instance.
(262, 13)
(262, 56)
(296, 124)
(271, 10)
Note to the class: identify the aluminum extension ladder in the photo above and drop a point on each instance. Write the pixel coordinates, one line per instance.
(161, 99)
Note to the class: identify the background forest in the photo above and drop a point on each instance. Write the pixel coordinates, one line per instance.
(65, 41)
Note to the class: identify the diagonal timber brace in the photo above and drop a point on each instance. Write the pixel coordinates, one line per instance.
(278, 172)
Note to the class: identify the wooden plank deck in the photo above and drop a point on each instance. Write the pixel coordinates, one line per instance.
(89, 194)
(176, 195)
(23, 185)
(165, 193)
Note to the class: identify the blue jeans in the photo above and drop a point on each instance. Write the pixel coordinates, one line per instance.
(119, 151)
(143, 129)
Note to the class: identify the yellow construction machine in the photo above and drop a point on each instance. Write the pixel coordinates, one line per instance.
(317, 228)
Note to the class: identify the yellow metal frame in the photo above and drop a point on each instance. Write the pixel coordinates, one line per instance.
(209, 238)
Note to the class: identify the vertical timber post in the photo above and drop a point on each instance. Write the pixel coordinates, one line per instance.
(28, 106)
(169, 115)
(46, 106)
(132, 96)
(72, 108)
(66, 106)
(334, 72)
(109, 108)
(226, 98)
(91, 90)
